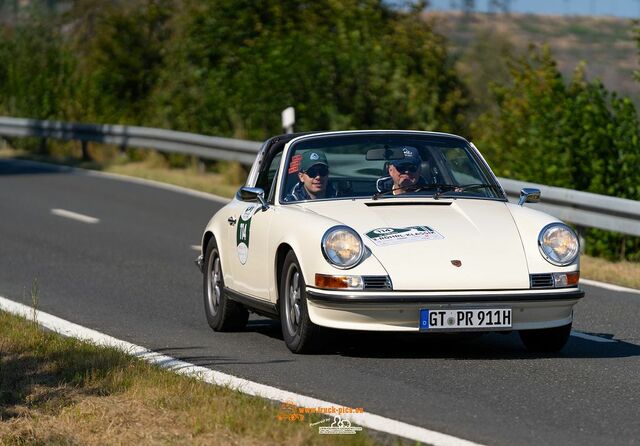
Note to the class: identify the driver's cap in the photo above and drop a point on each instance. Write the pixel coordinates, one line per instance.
(411, 155)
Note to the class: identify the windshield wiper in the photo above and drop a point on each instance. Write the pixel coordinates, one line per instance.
(414, 188)
(466, 187)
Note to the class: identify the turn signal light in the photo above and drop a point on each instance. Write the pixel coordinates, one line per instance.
(339, 282)
(561, 280)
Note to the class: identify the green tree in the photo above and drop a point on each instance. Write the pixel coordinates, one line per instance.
(120, 51)
(342, 64)
(576, 135)
(34, 86)
(525, 138)
(482, 65)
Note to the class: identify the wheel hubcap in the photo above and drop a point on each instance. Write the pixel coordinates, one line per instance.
(214, 285)
(293, 303)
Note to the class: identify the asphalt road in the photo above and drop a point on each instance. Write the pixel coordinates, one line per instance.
(131, 275)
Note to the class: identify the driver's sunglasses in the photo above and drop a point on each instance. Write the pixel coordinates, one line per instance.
(406, 167)
(315, 171)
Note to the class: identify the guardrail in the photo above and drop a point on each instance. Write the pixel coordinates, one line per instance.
(206, 147)
(581, 208)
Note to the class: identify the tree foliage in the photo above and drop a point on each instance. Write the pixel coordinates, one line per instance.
(342, 64)
(229, 67)
(576, 135)
(35, 72)
(123, 57)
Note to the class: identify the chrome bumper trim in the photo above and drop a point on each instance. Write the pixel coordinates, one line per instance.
(390, 298)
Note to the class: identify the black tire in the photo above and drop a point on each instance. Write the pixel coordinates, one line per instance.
(222, 313)
(299, 333)
(547, 339)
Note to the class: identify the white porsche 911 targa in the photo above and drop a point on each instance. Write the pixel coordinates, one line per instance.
(387, 231)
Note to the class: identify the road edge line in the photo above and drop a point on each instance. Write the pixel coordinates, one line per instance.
(609, 286)
(375, 422)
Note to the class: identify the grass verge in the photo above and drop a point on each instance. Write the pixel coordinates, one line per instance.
(191, 178)
(224, 183)
(57, 390)
(620, 273)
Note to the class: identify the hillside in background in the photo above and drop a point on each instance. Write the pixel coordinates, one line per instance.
(605, 44)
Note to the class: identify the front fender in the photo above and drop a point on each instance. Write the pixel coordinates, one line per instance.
(218, 227)
(302, 230)
(529, 223)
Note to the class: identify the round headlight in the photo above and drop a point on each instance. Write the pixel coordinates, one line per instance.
(558, 244)
(342, 247)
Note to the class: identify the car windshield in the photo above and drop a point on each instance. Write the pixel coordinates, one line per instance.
(385, 165)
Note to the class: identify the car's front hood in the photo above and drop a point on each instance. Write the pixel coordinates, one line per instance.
(437, 244)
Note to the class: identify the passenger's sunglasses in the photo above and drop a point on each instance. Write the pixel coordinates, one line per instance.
(406, 167)
(315, 171)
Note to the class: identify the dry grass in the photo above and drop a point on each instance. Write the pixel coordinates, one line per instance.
(621, 273)
(6, 152)
(225, 182)
(191, 178)
(56, 390)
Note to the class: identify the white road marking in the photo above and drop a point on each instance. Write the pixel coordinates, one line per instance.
(370, 420)
(195, 247)
(589, 337)
(75, 216)
(609, 286)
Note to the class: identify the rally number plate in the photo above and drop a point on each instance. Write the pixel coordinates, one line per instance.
(462, 319)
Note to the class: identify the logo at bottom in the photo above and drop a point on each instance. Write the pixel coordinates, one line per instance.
(339, 427)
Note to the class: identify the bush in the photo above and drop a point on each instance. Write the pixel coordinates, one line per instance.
(576, 135)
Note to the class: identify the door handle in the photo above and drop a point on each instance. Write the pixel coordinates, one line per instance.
(231, 220)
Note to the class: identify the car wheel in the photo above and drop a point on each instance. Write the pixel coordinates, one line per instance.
(547, 339)
(299, 333)
(222, 313)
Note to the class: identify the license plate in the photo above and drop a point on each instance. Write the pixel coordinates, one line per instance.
(460, 319)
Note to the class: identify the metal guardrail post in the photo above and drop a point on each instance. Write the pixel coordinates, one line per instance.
(85, 151)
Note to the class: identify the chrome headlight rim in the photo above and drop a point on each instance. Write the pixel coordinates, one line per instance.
(323, 245)
(546, 256)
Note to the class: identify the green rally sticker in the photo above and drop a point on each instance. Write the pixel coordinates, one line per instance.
(242, 234)
(395, 236)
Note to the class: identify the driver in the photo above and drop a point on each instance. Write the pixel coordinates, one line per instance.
(313, 178)
(403, 172)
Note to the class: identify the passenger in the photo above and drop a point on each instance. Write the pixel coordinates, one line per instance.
(313, 178)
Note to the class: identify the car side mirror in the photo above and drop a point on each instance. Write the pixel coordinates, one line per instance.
(529, 195)
(253, 194)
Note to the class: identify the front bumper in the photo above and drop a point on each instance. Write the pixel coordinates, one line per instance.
(400, 311)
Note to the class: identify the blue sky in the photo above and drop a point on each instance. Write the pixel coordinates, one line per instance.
(619, 8)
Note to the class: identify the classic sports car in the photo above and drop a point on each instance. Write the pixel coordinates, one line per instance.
(386, 231)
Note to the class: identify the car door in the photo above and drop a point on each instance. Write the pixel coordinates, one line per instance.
(252, 266)
(252, 260)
